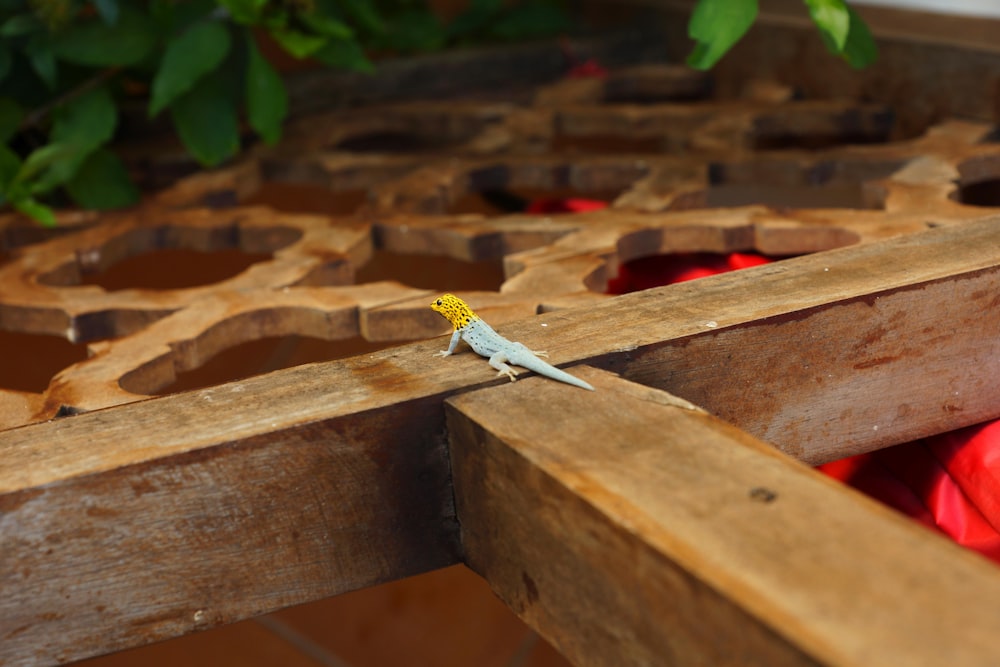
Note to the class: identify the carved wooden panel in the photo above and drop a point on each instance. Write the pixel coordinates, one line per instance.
(819, 356)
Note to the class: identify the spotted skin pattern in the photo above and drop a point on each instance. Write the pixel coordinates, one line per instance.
(488, 343)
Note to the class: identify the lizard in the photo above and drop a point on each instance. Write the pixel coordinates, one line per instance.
(488, 343)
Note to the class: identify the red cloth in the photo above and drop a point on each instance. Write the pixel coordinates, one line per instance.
(589, 69)
(950, 482)
(565, 205)
(657, 270)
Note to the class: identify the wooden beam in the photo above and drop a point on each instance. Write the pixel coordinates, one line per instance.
(125, 526)
(823, 356)
(628, 529)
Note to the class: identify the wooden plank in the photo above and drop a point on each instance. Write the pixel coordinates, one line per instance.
(156, 510)
(125, 526)
(836, 353)
(630, 530)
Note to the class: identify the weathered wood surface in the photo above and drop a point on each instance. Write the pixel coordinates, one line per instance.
(154, 519)
(41, 291)
(550, 261)
(120, 525)
(142, 364)
(629, 530)
(559, 262)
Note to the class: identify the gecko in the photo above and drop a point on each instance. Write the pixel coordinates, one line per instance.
(488, 343)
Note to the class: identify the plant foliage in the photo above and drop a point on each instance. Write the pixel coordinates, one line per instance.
(716, 25)
(65, 65)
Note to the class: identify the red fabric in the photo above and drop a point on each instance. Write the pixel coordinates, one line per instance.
(657, 270)
(565, 205)
(589, 69)
(950, 482)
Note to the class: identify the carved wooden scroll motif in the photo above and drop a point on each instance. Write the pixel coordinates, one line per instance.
(660, 202)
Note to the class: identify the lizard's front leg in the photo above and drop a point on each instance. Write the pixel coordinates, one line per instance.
(499, 362)
(455, 337)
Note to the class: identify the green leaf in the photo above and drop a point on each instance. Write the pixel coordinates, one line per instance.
(107, 10)
(43, 60)
(363, 12)
(275, 20)
(531, 21)
(832, 19)
(346, 55)
(716, 25)
(198, 51)
(11, 115)
(10, 164)
(86, 121)
(96, 44)
(42, 158)
(21, 24)
(6, 60)
(244, 11)
(35, 210)
(413, 30)
(206, 120)
(172, 17)
(80, 125)
(860, 49)
(267, 101)
(324, 25)
(479, 15)
(299, 44)
(102, 183)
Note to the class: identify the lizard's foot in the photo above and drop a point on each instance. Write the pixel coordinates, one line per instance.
(540, 353)
(442, 353)
(509, 372)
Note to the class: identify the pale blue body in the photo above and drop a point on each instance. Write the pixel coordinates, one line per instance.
(488, 343)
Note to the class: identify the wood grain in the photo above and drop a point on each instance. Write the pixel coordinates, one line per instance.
(826, 355)
(121, 524)
(125, 526)
(628, 530)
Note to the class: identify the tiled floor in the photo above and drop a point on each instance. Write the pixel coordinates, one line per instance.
(442, 619)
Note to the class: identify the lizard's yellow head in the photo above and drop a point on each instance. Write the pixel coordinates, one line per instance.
(454, 310)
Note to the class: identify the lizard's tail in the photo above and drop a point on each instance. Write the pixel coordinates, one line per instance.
(548, 370)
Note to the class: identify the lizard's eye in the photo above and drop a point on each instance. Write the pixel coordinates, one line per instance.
(439, 302)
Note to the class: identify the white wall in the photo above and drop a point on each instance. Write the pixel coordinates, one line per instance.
(969, 7)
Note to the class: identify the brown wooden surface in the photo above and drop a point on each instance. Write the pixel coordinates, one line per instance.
(629, 530)
(148, 520)
(139, 523)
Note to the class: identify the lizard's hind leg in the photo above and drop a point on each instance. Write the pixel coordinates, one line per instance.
(499, 362)
(521, 347)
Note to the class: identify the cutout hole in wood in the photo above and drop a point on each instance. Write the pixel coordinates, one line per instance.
(390, 141)
(30, 361)
(534, 201)
(173, 268)
(833, 195)
(984, 193)
(252, 358)
(432, 271)
(298, 198)
(667, 269)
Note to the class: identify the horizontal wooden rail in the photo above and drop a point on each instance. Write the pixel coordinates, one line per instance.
(149, 520)
(629, 529)
(128, 525)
